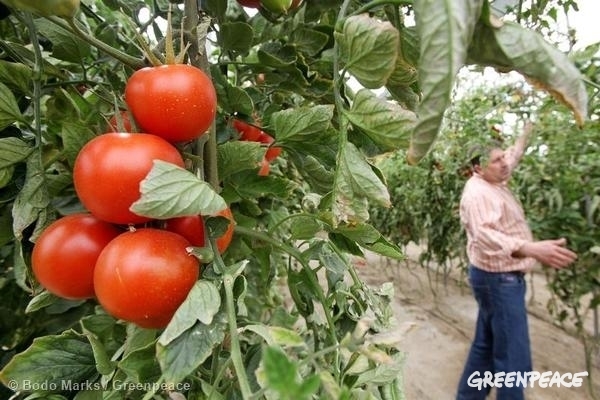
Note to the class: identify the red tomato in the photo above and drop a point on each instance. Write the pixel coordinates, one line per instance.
(273, 151)
(109, 168)
(191, 228)
(224, 240)
(247, 132)
(249, 3)
(177, 102)
(65, 254)
(143, 276)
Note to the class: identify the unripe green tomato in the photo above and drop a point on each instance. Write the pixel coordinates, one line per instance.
(277, 6)
(61, 8)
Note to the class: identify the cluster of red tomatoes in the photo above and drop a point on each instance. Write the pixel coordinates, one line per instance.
(140, 270)
(253, 133)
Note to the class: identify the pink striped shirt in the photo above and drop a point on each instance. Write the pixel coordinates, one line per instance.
(495, 222)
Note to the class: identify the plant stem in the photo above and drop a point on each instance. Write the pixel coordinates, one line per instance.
(310, 274)
(236, 354)
(71, 25)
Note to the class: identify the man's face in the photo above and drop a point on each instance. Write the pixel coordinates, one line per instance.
(494, 169)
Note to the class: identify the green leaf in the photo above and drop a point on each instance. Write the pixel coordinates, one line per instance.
(235, 99)
(236, 36)
(276, 335)
(512, 47)
(41, 300)
(445, 29)
(371, 239)
(369, 49)
(65, 45)
(141, 365)
(9, 109)
(74, 136)
(355, 184)
(301, 124)
(305, 228)
(32, 200)
(52, 361)
(185, 353)
(309, 41)
(250, 185)
(103, 363)
(202, 304)
(386, 123)
(275, 55)
(237, 156)
(170, 191)
(13, 150)
(16, 76)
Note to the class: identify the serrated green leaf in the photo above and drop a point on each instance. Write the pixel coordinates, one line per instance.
(186, 352)
(512, 47)
(202, 304)
(237, 156)
(9, 109)
(170, 191)
(13, 150)
(65, 45)
(369, 49)
(250, 185)
(300, 124)
(369, 238)
(236, 36)
(51, 361)
(355, 184)
(276, 335)
(445, 29)
(386, 123)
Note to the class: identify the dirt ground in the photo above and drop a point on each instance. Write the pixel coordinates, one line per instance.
(443, 320)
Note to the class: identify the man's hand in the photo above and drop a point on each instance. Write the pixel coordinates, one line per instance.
(552, 253)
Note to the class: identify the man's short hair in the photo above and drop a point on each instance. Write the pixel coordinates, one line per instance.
(479, 151)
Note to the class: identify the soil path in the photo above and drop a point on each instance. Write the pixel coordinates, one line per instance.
(436, 346)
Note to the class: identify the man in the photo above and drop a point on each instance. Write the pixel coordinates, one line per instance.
(500, 249)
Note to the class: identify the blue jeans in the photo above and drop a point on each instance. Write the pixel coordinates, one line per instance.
(501, 342)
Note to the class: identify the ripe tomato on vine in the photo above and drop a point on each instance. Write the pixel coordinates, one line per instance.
(143, 276)
(177, 102)
(65, 254)
(109, 168)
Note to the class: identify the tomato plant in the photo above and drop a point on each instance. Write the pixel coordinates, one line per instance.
(262, 307)
(143, 276)
(65, 254)
(177, 102)
(109, 168)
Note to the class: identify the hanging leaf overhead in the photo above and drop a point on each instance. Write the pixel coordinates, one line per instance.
(445, 29)
(511, 47)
